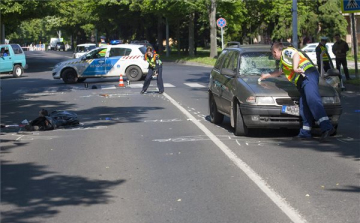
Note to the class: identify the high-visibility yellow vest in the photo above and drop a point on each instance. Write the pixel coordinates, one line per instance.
(290, 74)
(324, 53)
(155, 59)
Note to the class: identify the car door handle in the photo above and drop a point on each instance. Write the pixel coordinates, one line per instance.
(101, 61)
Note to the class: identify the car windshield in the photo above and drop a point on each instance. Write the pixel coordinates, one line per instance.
(256, 63)
(84, 48)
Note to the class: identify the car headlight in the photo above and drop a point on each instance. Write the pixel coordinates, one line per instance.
(330, 100)
(261, 100)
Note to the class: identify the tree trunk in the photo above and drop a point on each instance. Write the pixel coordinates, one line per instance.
(212, 21)
(160, 35)
(178, 37)
(191, 34)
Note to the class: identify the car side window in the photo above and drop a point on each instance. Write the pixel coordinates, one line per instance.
(220, 59)
(231, 60)
(115, 52)
(127, 52)
(17, 49)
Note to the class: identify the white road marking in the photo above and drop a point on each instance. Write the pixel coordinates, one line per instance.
(151, 85)
(168, 85)
(256, 178)
(195, 85)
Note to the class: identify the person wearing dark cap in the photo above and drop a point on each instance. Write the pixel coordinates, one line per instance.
(340, 48)
(322, 55)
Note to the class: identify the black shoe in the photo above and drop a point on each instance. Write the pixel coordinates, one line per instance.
(142, 92)
(300, 138)
(326, 134)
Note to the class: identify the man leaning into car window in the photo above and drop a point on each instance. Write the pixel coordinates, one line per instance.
(301, 72)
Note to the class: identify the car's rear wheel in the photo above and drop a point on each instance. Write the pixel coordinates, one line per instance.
(215, 116)
(80, 80)
(240, 127)
(69, 76)
(134, 73)
(18, 71)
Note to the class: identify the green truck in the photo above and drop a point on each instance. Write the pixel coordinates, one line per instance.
(12, 60)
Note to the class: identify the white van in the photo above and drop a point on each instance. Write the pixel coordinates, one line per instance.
(81, 49)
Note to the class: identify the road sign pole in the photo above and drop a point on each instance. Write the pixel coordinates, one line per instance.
(353, 26)
(222, 39)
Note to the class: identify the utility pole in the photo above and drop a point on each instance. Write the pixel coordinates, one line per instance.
(167, 38)
(294, 24)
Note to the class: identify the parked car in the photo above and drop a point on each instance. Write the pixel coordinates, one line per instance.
(105, 61)
(234, 91)
(82, 49)
(309, 49)
(141, 42)
(13, 60)
(60, 46)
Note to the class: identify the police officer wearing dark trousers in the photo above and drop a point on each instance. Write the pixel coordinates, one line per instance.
(154, 64)
(301, 72)
(322, 55)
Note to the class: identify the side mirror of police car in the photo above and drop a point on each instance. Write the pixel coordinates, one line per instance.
(332, 73)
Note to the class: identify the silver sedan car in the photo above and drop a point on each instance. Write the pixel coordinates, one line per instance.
(234, 91)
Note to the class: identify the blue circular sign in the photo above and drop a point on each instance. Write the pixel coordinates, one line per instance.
(221, 22)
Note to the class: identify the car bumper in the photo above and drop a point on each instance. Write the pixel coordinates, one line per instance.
(56, 74)
(271, 116)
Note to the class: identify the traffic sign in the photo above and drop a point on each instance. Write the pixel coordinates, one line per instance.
(350, 6)
(221, 22)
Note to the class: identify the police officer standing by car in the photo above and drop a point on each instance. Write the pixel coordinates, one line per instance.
(300, 71)
(322, 55)
(154, 64)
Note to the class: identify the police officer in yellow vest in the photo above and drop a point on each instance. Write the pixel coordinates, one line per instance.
(154, 64)
(322, 54)
(102, 43)
(300, 71)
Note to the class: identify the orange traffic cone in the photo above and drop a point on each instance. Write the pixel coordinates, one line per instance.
(121, 81)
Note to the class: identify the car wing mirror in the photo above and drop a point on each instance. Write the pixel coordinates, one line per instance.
(228, 72)
(332, 73)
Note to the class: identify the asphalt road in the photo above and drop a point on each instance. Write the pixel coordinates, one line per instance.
(157, 158)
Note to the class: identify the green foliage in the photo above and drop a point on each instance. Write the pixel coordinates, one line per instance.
(34, 20)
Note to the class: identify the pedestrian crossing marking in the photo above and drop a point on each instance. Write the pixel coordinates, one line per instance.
(151, 85)
(195, 85)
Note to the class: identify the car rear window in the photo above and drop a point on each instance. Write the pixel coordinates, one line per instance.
(17, 49)
(256, 63)
(142, 49)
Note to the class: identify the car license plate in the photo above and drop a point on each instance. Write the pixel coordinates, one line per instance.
(290, 109)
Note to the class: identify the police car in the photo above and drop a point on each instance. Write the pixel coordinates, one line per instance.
(105, 61)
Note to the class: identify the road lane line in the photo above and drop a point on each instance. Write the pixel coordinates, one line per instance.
(256, 178)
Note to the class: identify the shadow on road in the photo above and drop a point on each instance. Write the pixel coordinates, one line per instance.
(36, 192)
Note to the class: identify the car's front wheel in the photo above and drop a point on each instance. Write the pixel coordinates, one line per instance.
(215, 116)
(134, 73)
(240, 127)
(69, 76)
(18, 71)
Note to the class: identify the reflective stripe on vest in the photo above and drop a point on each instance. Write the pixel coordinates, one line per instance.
(152, 61)
(324, 53)
(290, 74)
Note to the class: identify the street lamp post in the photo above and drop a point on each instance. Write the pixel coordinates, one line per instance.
(294, 24)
